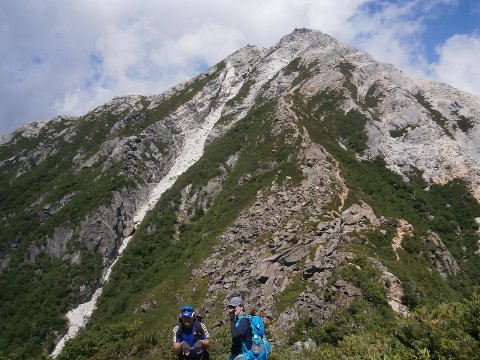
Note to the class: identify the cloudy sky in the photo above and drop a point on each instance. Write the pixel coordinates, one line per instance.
(66, 57)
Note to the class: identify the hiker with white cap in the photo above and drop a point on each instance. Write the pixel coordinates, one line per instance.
(240, 327)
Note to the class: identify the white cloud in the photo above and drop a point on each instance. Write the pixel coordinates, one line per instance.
(68, 56)
(210, 42)
(75, 102)
(459, 57)
(393, 35)
(148, 51)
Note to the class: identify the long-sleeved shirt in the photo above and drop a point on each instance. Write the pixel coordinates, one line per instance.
(241, 333)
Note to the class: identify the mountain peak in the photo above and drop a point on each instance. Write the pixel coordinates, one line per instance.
(310, 36)
(331, 178)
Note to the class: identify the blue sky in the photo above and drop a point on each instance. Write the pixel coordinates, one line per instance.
(460, 18)
(66, 57)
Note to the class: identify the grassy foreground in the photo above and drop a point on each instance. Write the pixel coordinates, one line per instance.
(448, 331)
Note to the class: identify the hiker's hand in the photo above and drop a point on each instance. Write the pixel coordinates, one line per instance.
(198, 347)
(185, 348)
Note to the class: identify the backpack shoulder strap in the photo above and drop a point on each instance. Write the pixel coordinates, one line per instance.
(244, 316)
(198, 330)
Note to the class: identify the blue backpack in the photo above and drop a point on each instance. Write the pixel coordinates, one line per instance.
(260, 343)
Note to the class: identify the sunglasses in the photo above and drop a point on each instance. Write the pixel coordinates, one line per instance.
(230, 307)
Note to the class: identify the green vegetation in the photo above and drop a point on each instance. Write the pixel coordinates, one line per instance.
(153, 263)
(398, 132)
(242, 93)
(347, 69)
(38, 293)
(447, 331)
(287, 297)
(33, 301)
(365, 276)
(464, 123)
(130, 341)
(303, 71)
(42, 291)
(359, 331)
(157, 266)
(112, 342)
(293, 66)
(172, 103)
(449, 210)
(336, 125)
(434, 114)
(373, 96)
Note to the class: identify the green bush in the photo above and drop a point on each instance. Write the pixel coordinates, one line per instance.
(449, 331)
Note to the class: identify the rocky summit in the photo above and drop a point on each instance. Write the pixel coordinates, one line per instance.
(334, 193)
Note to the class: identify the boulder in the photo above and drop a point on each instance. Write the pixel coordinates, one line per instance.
(304, 345)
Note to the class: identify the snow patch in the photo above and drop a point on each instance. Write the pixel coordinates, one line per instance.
(192, 150)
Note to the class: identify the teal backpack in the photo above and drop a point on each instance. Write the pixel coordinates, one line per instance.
(260, 343)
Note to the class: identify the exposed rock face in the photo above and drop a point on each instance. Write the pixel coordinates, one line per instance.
(50, 209)
(394, 290)
(440, 148)
(148, 304)
(57, 245)
(32, 253)
(139, 154)
(272, 243)
(445, 262)
(413, 122)
(403, 229)
(103, 230)
(295, 231)
(356, 214)
(194, 201)
(47, 139)
(146, 157)
(269, 243)
(308, 344)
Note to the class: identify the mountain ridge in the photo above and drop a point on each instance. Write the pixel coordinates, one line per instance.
(317, 158)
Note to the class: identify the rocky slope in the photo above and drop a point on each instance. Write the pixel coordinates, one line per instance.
(411, 123)
(327, 178)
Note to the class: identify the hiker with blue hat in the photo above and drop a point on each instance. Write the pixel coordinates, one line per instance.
(191, 337)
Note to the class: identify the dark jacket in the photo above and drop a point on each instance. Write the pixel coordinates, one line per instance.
(241, 333)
